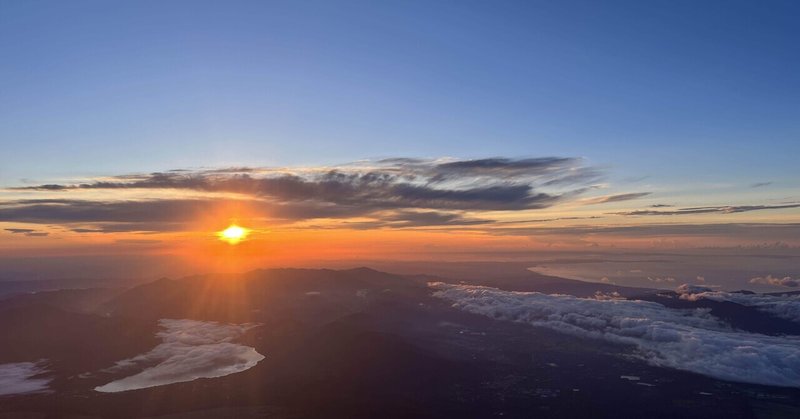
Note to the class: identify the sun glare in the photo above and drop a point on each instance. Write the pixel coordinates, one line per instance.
(233, 234)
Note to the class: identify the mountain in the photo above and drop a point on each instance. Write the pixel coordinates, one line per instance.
(354, 343)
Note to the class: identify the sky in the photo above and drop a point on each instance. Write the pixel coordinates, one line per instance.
(373, 129)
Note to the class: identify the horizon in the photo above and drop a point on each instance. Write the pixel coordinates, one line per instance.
(167, 123)
(565, 208)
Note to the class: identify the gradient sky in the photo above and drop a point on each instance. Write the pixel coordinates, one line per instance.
(678, 89)
(680, 103)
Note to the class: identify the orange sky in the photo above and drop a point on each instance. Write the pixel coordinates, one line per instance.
(485, 209)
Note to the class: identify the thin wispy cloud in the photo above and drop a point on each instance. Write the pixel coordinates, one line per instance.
(27, 232)
(410, 219)
(399, 192)
(727, 209)
(484, 184)
(751, 231)
(760, 184)
(614, 198)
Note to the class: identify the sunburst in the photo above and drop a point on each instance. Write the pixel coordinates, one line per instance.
(234, 234)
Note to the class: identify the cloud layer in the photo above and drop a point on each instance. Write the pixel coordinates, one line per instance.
(783, 306)
(483, 184)
(690, 340)
(390, 193)
(396, 193)
(191, 349)
(18, 378)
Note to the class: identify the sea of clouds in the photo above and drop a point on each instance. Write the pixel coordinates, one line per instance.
(191, 349)
(783, 306)
(18, 378)
(690, 340)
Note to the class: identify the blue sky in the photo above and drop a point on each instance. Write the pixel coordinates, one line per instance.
(679, 91)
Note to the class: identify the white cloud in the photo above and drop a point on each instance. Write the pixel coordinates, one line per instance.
(608, 296)
(686, 291)
(191, 349)
(690, 340)
(786, 281)
(659, 279)
(17, 378)
(783, 306)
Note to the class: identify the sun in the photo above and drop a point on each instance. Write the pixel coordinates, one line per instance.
(233, 234)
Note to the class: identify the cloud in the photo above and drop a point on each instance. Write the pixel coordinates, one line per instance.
(748, 231)
(783, 306)
(46, 187)
(405, 219)
(20, 230)
(19, 378)
(614, 198)
(483, 184)
(689, 291)
(690, 340)
(86, 216)
(547, 220)
(27, 232)
(780, 282)
(388, 193)
(396, 193)
(607, 296)
(191, 349)
(760, 184)
(728, 209)
(54, 211)
(554, 170)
